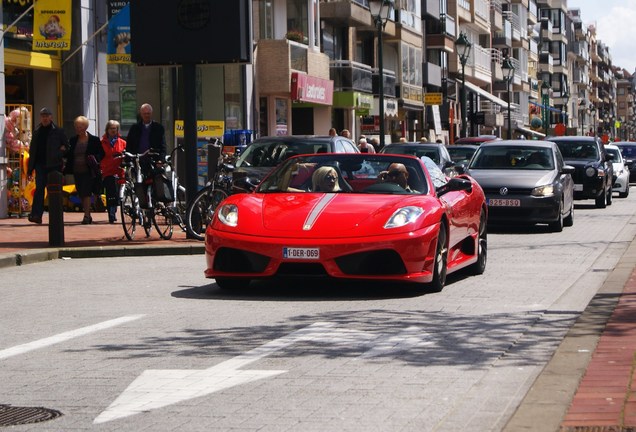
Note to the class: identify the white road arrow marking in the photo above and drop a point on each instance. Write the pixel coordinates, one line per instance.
(63, 337)
(159, 388)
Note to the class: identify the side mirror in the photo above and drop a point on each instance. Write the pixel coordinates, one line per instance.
(455, 184)
(568, 169)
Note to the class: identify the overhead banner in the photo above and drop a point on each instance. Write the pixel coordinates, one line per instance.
(118, 50)
(52, 25)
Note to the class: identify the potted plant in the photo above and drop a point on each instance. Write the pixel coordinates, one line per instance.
(295, 35)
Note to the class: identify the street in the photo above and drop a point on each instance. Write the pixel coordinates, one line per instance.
(147, 343)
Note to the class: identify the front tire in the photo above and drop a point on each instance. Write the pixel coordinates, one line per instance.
(482, 247)
(441, 261)
(608, 198)
(557, 226)
(128, 212)
(624, 194)
(600, 201)
(569, 219)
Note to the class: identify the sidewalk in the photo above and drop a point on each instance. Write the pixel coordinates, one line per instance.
(22, 242)
(588, 385)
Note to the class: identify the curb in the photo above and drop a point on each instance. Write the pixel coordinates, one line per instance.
(39, 255)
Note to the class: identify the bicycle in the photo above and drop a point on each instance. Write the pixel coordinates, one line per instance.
(200, 209)
(132, 211)
(166, 214)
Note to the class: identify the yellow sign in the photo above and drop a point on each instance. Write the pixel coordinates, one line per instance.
(205, 128)
(52, 25)
(433, 98)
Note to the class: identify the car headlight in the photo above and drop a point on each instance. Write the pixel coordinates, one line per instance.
(404, 216)
(228, 214)
(590, 171)
(543, 191)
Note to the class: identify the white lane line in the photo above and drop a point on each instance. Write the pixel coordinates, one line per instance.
(62, 337)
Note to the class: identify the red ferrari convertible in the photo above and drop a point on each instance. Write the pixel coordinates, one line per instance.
(350, 216)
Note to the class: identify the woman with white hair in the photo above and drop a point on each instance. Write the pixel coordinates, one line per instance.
(325, 179)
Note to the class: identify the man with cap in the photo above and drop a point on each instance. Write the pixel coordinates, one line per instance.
(46, 153)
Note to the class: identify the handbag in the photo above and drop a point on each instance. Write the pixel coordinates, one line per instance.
(93, 166)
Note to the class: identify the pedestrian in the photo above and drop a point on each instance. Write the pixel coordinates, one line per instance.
(423, 140)
(113, 146)
(376, 144)
(144, 135)
(364, 146)
(46, 154)
(333, 132)
(82, 160)
(345, 133)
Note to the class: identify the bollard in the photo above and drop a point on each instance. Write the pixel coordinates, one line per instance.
(56, 210)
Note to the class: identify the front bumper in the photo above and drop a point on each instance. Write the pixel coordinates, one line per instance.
(400, 257)
(530, 210)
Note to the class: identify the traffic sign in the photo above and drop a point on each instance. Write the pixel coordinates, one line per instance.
(433, 98)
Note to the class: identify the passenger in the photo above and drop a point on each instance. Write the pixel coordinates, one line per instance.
(538, 159)
(325, 179)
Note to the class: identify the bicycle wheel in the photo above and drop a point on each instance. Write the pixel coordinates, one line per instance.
(146, 216)
(180, 207)
(162, 221)
(200, 210)
(128, 212)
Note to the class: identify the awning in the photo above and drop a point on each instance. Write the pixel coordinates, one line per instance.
(531, 132)
(487, 95)
(548, 107)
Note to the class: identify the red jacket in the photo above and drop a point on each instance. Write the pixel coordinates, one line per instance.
(109, 164)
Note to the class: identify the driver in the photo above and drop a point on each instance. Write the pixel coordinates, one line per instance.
(398, 174)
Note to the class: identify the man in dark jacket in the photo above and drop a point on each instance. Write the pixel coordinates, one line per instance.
(147, 135)
(46, 152)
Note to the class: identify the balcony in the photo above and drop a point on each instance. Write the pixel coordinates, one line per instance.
(351, 76)
(446, 39)
(546, 29)
(496, 18)
(533, 12)
(432, 75)
(277, 58)
(432, 9)
(503, 39)
(546, 63)
(388, 85)
(349, 13)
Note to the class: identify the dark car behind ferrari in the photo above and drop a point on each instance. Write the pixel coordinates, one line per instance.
(265, 153)
(594, 173)
(628, 150)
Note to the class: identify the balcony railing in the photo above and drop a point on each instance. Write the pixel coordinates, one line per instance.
(351, 76)
(388, 84)
(448, 25)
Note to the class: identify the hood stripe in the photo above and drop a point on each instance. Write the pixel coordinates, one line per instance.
(315, 212)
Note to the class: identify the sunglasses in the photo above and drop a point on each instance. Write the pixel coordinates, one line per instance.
(395, 173)
(330, 177)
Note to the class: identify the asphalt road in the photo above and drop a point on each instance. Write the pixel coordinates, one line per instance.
(146, 343)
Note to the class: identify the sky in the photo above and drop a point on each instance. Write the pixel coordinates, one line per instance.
(615, 22)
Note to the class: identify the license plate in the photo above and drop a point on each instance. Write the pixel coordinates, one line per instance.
(578, 187)
(301, 253)
(503, 202)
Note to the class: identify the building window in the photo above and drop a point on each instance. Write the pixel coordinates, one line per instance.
(297, 18)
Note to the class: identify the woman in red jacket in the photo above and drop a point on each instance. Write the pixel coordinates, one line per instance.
(113, 145)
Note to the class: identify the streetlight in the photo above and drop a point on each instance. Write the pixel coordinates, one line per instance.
(564, 112)
(508, 69)
(545, 100)
(380, 12)
(463, 46)
(582, 115)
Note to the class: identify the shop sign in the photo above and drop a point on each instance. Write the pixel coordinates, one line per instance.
(205, 128)
(433, 98)
(364, 102)
(52, 25)
(306, 88)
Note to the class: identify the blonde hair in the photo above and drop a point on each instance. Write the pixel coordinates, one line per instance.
(318, 177)
(111, 123)
(81, 120)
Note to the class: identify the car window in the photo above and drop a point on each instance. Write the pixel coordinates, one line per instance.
(614, 153)
(460, 154)
(579, 150)
(416, 150)
(272, 153)
(629, 151)
(513, 158)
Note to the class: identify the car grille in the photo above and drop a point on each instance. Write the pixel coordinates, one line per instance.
(301, 269)
(511, 191)
(239, 261)
(381, 262)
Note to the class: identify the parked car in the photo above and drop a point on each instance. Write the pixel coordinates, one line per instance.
(594, 170)
(384, 222)
(265, 153)
(525, 182)
(628, 150)
(437, 152)
(477, 140)
(461, 153)
(621, 171)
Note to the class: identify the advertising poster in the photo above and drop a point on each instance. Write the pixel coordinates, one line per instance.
(128, 105)
(52, 25)
(118, 32)
(207, 130)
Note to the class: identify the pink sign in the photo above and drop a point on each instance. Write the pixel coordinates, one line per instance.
(306, 88)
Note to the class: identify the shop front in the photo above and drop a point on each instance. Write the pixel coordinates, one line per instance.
(351, 107)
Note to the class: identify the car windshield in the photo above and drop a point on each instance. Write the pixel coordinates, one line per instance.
(461, 154)
(272, 152)
(615, 154)
(417, 150)
(513, 158)
(628, 151)
(578, 150)
(349, 173)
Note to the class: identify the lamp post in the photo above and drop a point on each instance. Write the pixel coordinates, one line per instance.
(593, 114)
(564, 112)
(545, 100)
(582, 116)
(463, 46)
(380, 12)
(508, 69)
